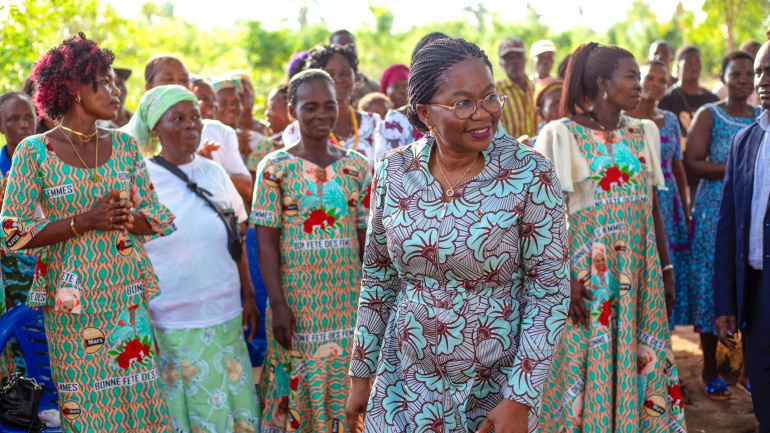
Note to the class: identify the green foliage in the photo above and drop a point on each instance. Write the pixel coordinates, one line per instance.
(33, 26)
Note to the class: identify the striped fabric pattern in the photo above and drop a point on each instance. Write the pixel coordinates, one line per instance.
(519, 115)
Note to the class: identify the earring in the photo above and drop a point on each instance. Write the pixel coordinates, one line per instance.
(432, 132)
(77, 99)
(605, 95)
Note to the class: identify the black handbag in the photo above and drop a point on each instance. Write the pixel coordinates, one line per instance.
(234, 238)
(19, 401)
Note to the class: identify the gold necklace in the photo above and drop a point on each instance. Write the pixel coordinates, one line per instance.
(451, 191)
(94, 176)
(354, 121)
(84, 138)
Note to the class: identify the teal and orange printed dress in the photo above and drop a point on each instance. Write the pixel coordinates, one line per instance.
(93, 288)
(617, 373)
(462, 303)
(319, 211)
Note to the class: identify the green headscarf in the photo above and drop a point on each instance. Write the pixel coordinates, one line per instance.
(155, 102)
(227, 82)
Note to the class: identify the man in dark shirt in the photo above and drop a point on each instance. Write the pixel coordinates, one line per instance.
(685, 97)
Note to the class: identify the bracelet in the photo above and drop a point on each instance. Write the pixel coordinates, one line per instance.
(72, 226)
(668, 267)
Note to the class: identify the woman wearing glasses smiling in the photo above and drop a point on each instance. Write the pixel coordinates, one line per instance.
(464, 290)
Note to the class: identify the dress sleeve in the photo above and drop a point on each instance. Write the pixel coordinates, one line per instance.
(266, 200)
(545, 259)
(380, 286)
(558, 144)
(290, 134)
(229, 156)
(160, 218)
(364, 201)
(24, 193)
(652, 152)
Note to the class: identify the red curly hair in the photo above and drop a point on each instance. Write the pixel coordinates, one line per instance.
(59, 74)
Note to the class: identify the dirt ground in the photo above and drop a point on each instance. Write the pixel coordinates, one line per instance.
(702, 414)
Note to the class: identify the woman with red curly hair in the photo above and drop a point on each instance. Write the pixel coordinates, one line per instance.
(93, 278)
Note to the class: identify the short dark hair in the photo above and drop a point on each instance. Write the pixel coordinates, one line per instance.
(430, 37)
(5, 97)
(685, 50)
(654, 63)
(747, 45)
(428, 67)
(304, 77)
(152, 66)
(63, 69)
(340, 33)
(589, 62)
(656, 44)
(735, 55)
(320, 55)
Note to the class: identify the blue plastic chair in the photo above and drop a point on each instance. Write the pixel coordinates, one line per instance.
(26, 325)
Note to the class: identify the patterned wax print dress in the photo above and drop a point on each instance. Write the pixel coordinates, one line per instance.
(319, 211)
(705, 213)
(672, 210)
(617, 373)
(362, 141)
(462, 303)
(93, 288)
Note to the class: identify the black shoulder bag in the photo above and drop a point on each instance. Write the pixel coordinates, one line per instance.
(19, 401)
(234, 239)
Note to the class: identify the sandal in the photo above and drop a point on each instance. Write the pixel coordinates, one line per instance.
(716, 390)
(745, 388)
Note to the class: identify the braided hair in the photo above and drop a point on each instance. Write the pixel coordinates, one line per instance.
(320, 55)
(430, 37)
(589, 62)
(428, 69)
(304, 77)
(61, 71)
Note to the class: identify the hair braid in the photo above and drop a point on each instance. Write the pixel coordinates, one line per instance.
(428, 67)
(307, 76)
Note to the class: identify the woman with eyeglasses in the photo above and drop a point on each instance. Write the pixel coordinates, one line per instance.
(354, 129)
(614, 370)
(465, 279)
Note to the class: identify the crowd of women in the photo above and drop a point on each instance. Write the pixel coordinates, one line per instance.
(426, 271)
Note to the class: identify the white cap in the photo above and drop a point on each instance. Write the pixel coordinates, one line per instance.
(542, 46)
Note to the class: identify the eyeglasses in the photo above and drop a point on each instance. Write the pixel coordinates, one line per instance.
(465, 108)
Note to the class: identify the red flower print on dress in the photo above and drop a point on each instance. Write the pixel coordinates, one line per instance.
(604, 317)
(615, 176)
(320, 220)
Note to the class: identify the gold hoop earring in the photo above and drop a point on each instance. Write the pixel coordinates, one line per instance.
(605, 95)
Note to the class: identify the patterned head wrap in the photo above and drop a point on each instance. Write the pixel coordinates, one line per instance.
(155, 102)
(227, 82)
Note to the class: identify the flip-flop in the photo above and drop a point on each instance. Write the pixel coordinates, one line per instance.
(716, 390)
(745, 388)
